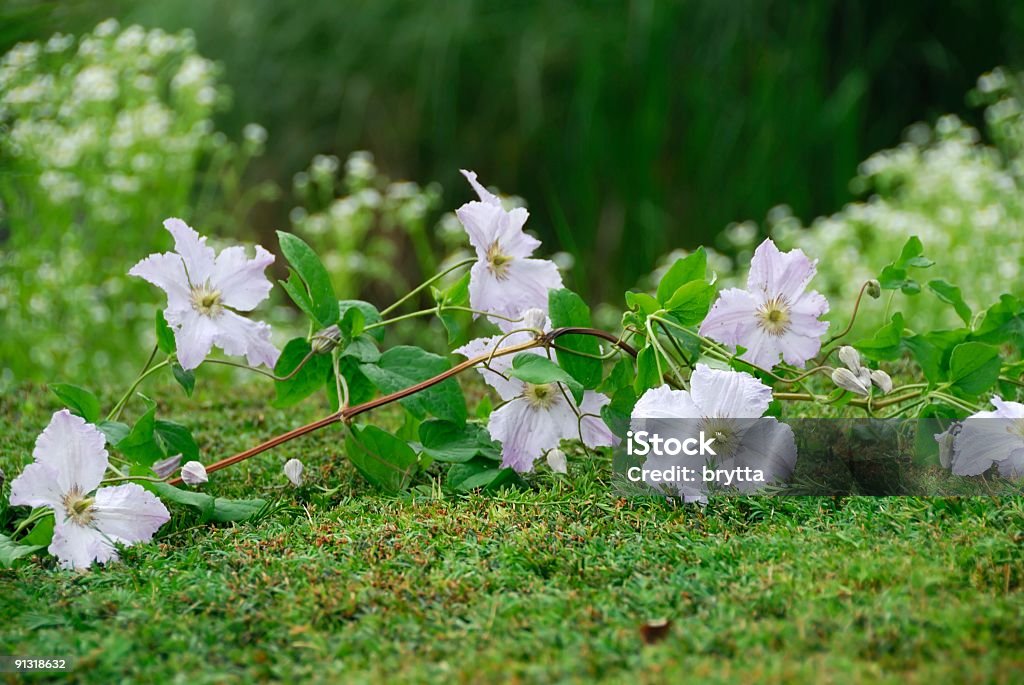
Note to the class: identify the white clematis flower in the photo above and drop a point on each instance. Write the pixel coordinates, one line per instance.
(728, 406)
(204, 293)
(774, 317)
(69, 463)
(987, 438)
(504, 280)
(534, 418)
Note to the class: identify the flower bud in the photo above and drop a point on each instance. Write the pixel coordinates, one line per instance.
(293, 471)
(194, 473)
(882, 380)
(848, 380)
(556, 460)
(850, 357)
(874, 289)
(326, 339)
(165, 467)
(535, 319)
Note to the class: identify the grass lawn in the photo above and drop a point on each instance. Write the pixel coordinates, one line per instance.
(549, 583)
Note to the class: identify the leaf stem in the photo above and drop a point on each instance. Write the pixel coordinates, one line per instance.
(424, 284)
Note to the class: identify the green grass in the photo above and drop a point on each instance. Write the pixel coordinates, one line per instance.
(546, 584)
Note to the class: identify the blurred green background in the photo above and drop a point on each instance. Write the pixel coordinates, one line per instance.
(631, 128)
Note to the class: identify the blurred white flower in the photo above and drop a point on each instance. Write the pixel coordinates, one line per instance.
(293, 469)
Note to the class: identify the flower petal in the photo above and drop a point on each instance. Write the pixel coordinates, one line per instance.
(199, 259)
(78, 546)
(525, 433)
(38, 486)
(779, 274)
(512, 239)
(193, 335)
(728, 394)
(485, 195)
(481, 221)
(240, 280)
(526, 285)
(167, 272)
(732, 319)
(494, 373)
(665, 403)
(238, 336)
(74, 450)
(767, 446)
(128, 513)
(983, 442)
(595, 432)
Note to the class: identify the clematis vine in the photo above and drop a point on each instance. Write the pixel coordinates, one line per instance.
(535, 418)
(505, 280)
(774, 317)
(68, 467)
(728, 406)
(205, 292)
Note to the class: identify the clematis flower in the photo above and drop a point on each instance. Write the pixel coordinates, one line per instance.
(505, 280)
(988, 438)
(165, 467)
(69, 463)
(205, 292)
(728, 406)
(534, 418)
(774, 317)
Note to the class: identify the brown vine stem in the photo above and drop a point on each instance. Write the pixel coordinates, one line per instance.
(348, 413)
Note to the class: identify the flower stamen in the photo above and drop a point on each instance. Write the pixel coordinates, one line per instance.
(540, 396)
(498, 261)
(207, 300)
(773, 316)
(78, 507)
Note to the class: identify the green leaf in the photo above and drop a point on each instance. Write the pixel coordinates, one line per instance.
(478, 474)
(79, 400)
(912, 255)
(174, 438)
(539, 370)
(296, 290)
(215, 509)
(404, 366)
(974, 367)
(642, 302)
(363, 349)
(928, 357)
(353, 321)
(140, 445)
(306, 380)
(950, 294)
(324, 303)
(11, 551)
(618, 412)
(647, 375)
(42, 532)
(1003, 322)
(455, 322)
(693, 267)
(383, 459)
(450, 442)
(360, 388)
(370, 316)
(115, 431)
(894, 276)
(691, 302)
(622, 375)
(885, 344)
(566, 308)
(164, 334)
(186, 379)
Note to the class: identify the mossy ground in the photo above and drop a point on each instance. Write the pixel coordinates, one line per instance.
(548, 583)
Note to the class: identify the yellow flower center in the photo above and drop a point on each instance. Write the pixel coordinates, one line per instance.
(726, 434)
(773, 316)
(78, 507)
(541, 396)
(498, 261)
(206, 300)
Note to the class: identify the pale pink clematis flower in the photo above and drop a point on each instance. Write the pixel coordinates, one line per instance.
(504, 280)
(986, 438)
(534, 418)
(774, 317)
(204, 293)
(69, 463)
(728, 406)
